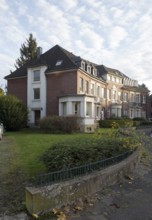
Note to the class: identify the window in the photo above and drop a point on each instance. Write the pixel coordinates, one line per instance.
(81, 84)
(125, 96)
(119, 96)
(92, 89)
(89, 69)
(36, 75)
(143, 114)
(94, 72)
(76, 108)
(114, 95)
(98, 91)
(87, 87)
(109, 93)
(64, 108)
(131, 113)
(88, 108)
(37, 93)
(144, 99)
(83, 65)
(125, 112)
(59, 62)
(98, 112)
(132, 98)
(137, 98)
(102, 92)
(137, 113)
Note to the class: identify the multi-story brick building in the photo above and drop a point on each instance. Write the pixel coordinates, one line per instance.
(149, 109)
(61, 83)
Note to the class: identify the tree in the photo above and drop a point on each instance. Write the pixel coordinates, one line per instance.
(13, 114)
(1, 92)
(27, 51)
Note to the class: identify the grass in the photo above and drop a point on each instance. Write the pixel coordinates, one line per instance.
(30, 144)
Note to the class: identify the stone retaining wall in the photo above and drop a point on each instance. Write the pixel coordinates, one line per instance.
(56, 195)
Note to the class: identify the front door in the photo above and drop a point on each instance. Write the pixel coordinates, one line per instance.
(37, 117)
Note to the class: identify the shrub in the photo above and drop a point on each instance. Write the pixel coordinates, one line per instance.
(139, 119)
(73, 153)
(60, 124)
(13, 114)
(115, 123)
(146, 123)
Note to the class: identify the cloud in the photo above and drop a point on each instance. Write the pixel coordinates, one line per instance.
(3, 5)
(116, 35)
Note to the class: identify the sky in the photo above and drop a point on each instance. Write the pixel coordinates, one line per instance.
(115, 33)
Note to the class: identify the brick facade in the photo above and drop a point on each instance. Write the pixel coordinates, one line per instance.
(59, 84)
(18, 88)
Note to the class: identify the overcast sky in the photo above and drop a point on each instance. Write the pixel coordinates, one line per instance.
(116, 33)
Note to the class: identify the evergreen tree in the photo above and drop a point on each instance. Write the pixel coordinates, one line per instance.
(27, 51)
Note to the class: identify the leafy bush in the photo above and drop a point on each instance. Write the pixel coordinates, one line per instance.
(13, 114)
(139, 119)
(115, 123)
(73, 153)
(146, 123)
(60, 124)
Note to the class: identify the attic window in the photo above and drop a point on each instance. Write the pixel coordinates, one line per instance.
(83, 65)
(59, 62)
(89, 69)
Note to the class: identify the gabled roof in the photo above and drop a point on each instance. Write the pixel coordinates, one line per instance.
(49, 59)
(138, 88)
(104, 70)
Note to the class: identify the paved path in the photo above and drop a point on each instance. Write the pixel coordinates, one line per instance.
(11, 181)
(131, 200)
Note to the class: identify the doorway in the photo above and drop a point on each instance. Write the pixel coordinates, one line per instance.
(37, 114)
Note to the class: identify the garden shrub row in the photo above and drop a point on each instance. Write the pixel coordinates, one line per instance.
(60, 124)
(115, 123)
(71, 153)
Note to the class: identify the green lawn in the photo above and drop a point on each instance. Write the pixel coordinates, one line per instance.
(29, 145)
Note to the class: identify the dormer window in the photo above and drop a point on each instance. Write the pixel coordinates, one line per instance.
(89, 69)
(59, 62)
(94, 72)
(83, 65)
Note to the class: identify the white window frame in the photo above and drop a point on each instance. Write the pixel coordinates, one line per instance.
(92, 88)
(144, 99)
(89, 69)
(36, 75)
(88, 109)
(64, 108)
(36, 95)
(76, 108)
(83, 65)
(81, 84)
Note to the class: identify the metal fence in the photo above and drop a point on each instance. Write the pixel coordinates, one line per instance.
(62, 175)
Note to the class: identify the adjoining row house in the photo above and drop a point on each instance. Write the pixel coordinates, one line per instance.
(58, 82)
(149, 108)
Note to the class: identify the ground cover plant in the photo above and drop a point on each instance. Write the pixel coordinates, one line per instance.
(20, 154)
(72, 153)
(29, 144)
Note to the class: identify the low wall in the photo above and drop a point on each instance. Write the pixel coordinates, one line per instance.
(56, 195)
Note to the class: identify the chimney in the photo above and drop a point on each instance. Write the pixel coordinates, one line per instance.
(38, 52)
